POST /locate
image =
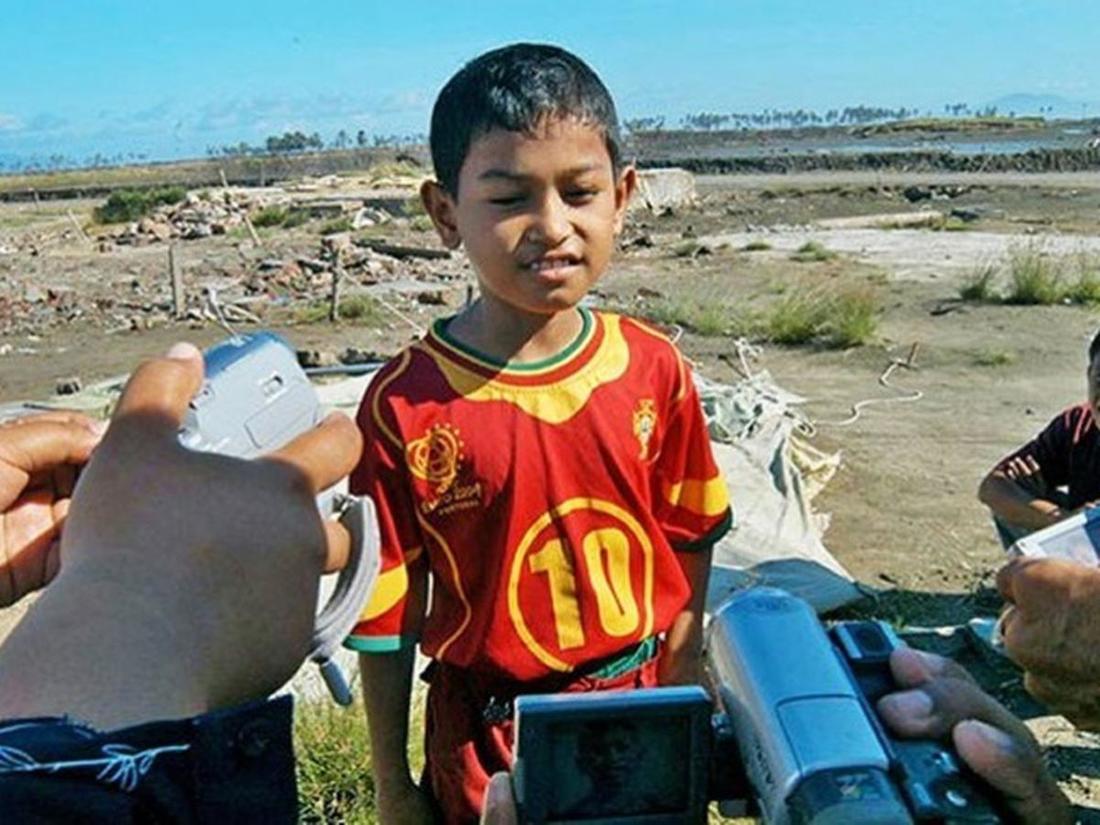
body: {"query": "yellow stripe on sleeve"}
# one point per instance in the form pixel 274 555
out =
pixel 390 588
pixel 703 497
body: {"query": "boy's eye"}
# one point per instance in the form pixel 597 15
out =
pixel 506 200
pixel 581 195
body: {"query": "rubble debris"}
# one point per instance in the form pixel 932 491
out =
pixel 196 216
pixel 664 189
pixel 370 216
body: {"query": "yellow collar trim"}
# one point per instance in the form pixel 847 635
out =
pixel 555 402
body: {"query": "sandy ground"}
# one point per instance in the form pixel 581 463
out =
pixel 905 519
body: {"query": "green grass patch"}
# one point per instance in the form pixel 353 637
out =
pixel 335 783
pixel 980 285
pixel 1034 278
pixel 132 204
pixel 421 223
pixel 756 246
pixel 708 319
pixel 851 319
pixel 361 309
pixel 837 318
pixel 336 225
pixel 812 251
pixel 994 358
pixel 796 318
pixel 270 216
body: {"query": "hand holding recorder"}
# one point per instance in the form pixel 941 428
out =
pixel 188 581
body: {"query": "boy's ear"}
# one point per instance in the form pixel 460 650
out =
pixel 624 191
pixel 440 207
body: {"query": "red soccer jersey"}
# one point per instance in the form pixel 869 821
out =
pixel 545 500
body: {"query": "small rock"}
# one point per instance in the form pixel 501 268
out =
pixel 68 386
pixel 915 194
pixel 353 355
pixel 432 297
pixel 308 358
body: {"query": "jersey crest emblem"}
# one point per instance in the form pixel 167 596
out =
pixel 435 457
pixel 645 422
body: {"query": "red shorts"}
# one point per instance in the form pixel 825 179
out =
pixel 468 730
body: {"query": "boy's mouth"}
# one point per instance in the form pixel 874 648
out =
pixel 550 263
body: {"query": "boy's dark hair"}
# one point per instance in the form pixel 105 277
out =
pixel 1094 347
pixel 516 88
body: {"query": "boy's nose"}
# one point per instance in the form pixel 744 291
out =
pixel 550 224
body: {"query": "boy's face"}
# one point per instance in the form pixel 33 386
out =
pixel 538 214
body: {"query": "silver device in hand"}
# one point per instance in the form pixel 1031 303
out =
pixel 255 398
pixel 798 736
pixel 801 702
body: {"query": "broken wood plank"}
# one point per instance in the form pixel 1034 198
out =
pixel 402 251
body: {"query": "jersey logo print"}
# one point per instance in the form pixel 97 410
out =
pixel 645 422
pixel 435 456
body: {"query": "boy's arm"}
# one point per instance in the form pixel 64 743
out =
pixel 387 686
pixel 1017 503
pixel 681 662
pixel 1020 489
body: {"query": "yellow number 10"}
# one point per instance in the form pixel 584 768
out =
pixel 606 554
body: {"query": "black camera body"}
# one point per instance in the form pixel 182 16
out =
pixel 797 721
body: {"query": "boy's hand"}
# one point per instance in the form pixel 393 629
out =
pixel 1052 630
pixel 39 459
pixel 405 804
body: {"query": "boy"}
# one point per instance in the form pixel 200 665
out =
pixel 546 467
pixel 1024 490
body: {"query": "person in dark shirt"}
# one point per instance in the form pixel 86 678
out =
pixel 1054 475
pixel 181 592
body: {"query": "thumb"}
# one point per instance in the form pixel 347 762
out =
pixel 1016 775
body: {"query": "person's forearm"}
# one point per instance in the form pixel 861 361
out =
pixel 387 685
pixel 1013 504
pixel 100 653
pixel 682 659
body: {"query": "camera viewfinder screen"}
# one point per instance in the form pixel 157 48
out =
pixel 620 767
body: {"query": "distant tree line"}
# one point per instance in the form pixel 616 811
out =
pixel 797 118
pixel 290 143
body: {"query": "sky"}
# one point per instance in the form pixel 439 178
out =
pixel 167 80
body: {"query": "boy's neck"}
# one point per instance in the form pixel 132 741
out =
pixel 509 335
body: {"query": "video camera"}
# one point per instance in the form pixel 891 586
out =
pixel 255 398
pixel 797 721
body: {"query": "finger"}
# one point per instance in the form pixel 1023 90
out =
pixel 163 387
pixel 500 804
pixel 338 543
pixel 326 453
pixel 60 417
pixel 28 530
pixel 933 709
pixel 39 447
pixel 1015 772
pixel 912 668
pixel 1008 578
